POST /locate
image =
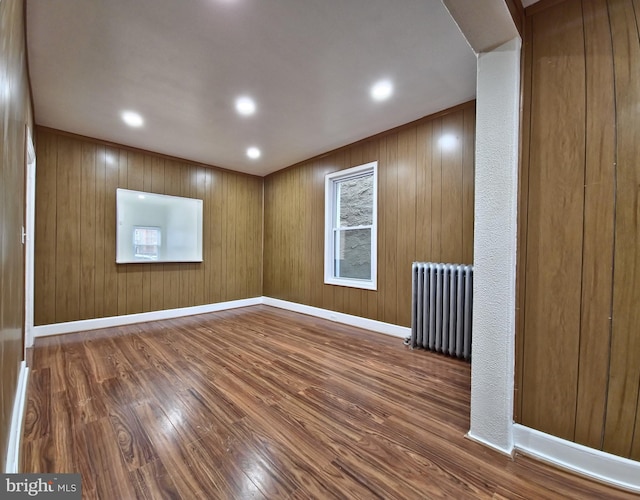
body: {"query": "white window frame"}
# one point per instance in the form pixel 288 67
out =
pixel 330 207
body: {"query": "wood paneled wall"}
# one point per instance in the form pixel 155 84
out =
pixel 578 364
pixel 76 276
pixel 425 213
pixel 15 115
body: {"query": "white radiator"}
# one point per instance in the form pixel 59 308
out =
pixel 441 308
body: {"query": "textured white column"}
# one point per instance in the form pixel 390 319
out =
pixel 496 193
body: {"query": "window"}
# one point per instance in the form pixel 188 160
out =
pixel 146 242
pixel 351 209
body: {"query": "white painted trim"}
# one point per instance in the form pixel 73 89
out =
pixel 329 233
pixel 595 464
pixel 12 464
pixel 347 319
pixel 93 324
pixel 30 241
pixel 488 444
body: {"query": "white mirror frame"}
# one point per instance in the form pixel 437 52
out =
pixel 157 228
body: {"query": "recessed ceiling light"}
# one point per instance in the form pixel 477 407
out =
pixel 245 105
pixel 253 153
pixel 132 118
pixel 141 196
pixel 381 90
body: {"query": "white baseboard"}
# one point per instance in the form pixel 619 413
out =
pixel 347 319
pixel 488 444
pixel 595 464
pixel 128 319
pixel 15 432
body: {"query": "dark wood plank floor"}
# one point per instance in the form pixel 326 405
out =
pixel 264 403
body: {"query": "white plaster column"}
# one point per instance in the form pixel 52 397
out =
pixel 496 198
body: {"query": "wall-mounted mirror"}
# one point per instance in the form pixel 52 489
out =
pixel 157 228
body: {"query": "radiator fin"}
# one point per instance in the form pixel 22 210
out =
pixel 441 308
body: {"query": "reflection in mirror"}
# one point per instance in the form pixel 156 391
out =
pixel 157 228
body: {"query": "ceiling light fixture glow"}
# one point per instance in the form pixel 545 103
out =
pixel 132 118
pixel 381 90
pixel 245 106
pixel 253 153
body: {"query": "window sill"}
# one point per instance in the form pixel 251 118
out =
pixel 364 285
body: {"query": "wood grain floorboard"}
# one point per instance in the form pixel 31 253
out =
pixel 264 403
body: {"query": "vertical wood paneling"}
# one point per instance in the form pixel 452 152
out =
pixel 110 293
pixel 452 148
pixel 76 276
pixel 15 116
pixel 123 177
pixel 185 289
pixel 46 228
pixel 242 261
pixel 228 237
pixel 389 261
pixel 383 221
pixel 256 255
pixel 409 194
pixel 306 222
pixel 578 339
pixel 199 274
pixel 523 203
pixel 468 176
pixel 290 224
pixel 216 241
pixel 423 186
pixel 328 295
pixel 597 256
pixel 317 234
pixel 87 231
pixel 635 447
pixel 208 266
pixel 437 229
pixel 99 272
pixel 555 217
pixel 406 245
pixel 67 241
pixel 370 310
pixel 135 272
pixel 624 375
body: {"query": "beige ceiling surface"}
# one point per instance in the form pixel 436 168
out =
pixel 308 64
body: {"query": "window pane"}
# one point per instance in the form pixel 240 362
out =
pixel 353 254
pixel 146 242
pixel 355 197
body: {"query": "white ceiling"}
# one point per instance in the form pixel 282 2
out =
pixel 181 64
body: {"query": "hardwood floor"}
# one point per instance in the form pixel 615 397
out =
pixel 265 403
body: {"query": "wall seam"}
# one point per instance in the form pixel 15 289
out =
pixel 584 208
pixel 613 252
